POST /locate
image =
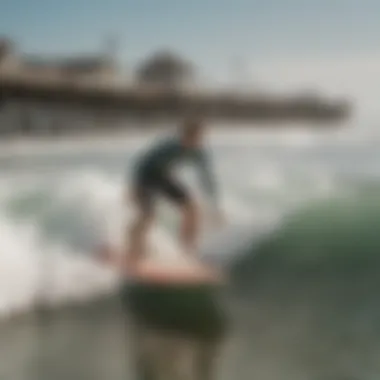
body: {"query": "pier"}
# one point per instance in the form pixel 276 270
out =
pixel 91 87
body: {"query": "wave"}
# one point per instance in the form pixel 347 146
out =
pixel 55 212
pixel 335 238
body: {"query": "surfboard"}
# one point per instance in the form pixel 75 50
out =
pixel 179 318
pixel 194 273
pixel 189 271
pixel 176 311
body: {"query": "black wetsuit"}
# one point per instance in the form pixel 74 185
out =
pixel 152 173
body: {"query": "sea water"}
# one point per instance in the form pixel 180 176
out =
pixel 301 209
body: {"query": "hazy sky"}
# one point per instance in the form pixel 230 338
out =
pixel 270 36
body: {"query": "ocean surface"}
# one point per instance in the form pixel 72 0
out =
pixel 301 241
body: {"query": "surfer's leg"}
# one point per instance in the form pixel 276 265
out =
pixel 178 194
pixel 140 225
pixel 189 225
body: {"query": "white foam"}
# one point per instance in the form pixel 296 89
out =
pixel 266 177
pixel 34 272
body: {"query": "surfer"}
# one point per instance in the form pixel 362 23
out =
pixel 153 176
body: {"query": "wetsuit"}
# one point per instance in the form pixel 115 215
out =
pixel 152 174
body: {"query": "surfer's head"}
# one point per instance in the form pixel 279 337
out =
pixel 191 133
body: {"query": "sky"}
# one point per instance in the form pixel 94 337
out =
pixel 330 43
